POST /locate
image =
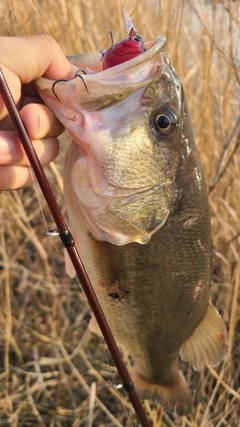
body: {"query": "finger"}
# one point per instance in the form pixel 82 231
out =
pixel 6 123
pixel 30 57
pixel 40 121
pixel 12 152
pixel 15 177
pixel 23 59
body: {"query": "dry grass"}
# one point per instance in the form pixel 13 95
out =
pixel 53 372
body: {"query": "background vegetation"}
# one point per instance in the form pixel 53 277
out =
pixel 51 367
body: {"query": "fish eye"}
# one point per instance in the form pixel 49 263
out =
pixel 165 122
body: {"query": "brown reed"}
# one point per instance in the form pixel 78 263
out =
pixel 49 360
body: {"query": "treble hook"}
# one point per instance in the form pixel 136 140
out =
pixel 81 77
pixel 65 80
pixel 57 81
pixel 111 35
pixel 103 51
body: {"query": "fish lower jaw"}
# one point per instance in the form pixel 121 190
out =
pixel 115 228
pixel 118 238
pixel 117 231
pixel 104 231
pixel 118 234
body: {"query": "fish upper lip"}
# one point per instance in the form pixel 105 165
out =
pixel 107 86
pixel 119 72
pixel 153 47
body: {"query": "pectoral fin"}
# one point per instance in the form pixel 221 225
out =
pixel 207 342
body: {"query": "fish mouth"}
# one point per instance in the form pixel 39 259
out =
pixel 98 88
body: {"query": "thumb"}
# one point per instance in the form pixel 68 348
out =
pixel 25 58
pixel 29 57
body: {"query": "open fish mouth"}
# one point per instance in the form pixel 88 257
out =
pixel 104 87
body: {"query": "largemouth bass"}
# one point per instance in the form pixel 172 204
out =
pixel 138 207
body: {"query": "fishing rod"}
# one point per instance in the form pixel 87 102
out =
pixel 68 242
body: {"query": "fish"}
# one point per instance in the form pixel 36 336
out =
pixel 138 208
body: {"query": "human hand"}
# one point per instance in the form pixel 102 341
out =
pixel 22 60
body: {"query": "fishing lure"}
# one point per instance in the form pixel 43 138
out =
pixel 118 53
pixel 124 50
